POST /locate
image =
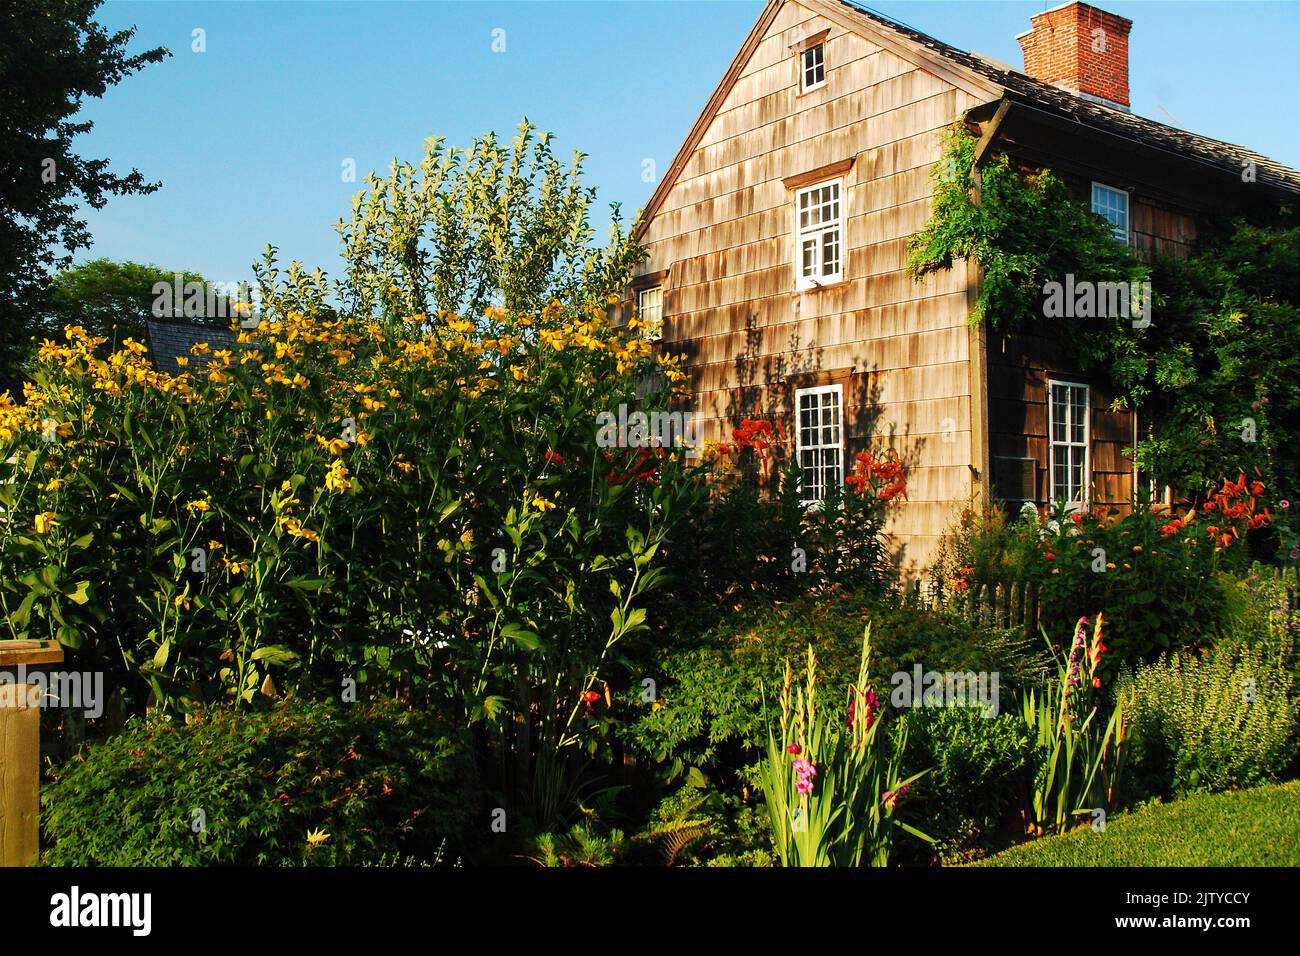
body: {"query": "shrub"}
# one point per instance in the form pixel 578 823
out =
pixel 415 493
pixel 979 769
pixel 1155 576
pixel 1263 612
pixel 295 784
pixel 1210 722
pixel 706 715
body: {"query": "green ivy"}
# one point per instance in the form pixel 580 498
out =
pixel 1213 371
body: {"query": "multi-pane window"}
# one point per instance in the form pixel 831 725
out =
pixel 1068 412
pixel 819 254
pixel 650 309
pixel 812 67
pixel 820 440
pixel 1112 205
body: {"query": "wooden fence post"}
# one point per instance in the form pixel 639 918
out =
pixel 20 753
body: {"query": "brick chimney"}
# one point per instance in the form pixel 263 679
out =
pixel 1082 49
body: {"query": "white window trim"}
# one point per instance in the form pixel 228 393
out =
pixel 802 282
pixel 655 333
pixel 1053 444
pixel 805 87
pixel 1128 221
pixel 799 393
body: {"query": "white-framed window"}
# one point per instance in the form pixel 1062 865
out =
pixel 812 67
pixel 1112 204
pixel 819 437
pixel 1068 415
pixel 819 234
pixel 650 310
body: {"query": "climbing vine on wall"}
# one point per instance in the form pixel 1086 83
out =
pixel 1212 366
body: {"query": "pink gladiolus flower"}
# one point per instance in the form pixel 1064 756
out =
pixel 792 749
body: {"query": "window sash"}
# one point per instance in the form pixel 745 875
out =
pixel 812 68
pixel 1112 204
pixel 650 310
pixel 1068 432
pixel 819 435
pixel 819 231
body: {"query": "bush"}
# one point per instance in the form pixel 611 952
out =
pixel 1158 579
pixel 706 728
pixel 296 784
pixel 978 770
pixel 1263 612
pixel 1209 722
pixel 419 490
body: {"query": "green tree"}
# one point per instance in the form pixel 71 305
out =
pixel 53 54
pixel 494 225
pixel 1218 369
pixel 114 300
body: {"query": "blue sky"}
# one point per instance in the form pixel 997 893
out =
pixel 248 137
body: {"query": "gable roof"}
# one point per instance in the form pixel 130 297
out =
pixel 985 79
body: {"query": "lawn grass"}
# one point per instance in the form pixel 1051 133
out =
pixel 1256 827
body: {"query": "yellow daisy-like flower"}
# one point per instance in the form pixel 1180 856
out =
pixel 44 522
pixel 337 478
pixel 541 504
pixel 183 602
pixel 198 506
pixel 335 446
pixel 520 374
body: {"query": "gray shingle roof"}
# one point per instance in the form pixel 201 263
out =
pixel 170 339
pixel 1022 87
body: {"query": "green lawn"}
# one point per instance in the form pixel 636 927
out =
pixel 1258 827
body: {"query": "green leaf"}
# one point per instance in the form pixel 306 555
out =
pixel 275 654
pixel 528 640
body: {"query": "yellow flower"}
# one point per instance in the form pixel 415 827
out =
pixel 337 478
pixel 405 467
pixel 541 504
pixel 44 522
pixel 317 837
pixel 198 506
pixel 335 446
pixel 520 374
pixel 183 602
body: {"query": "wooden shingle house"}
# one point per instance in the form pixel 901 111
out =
pixel 778 238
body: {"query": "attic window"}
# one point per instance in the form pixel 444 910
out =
pixel 812 68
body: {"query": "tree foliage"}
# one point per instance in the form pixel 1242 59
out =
pixel 111 300
pixel 494 225
pixel 53 54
